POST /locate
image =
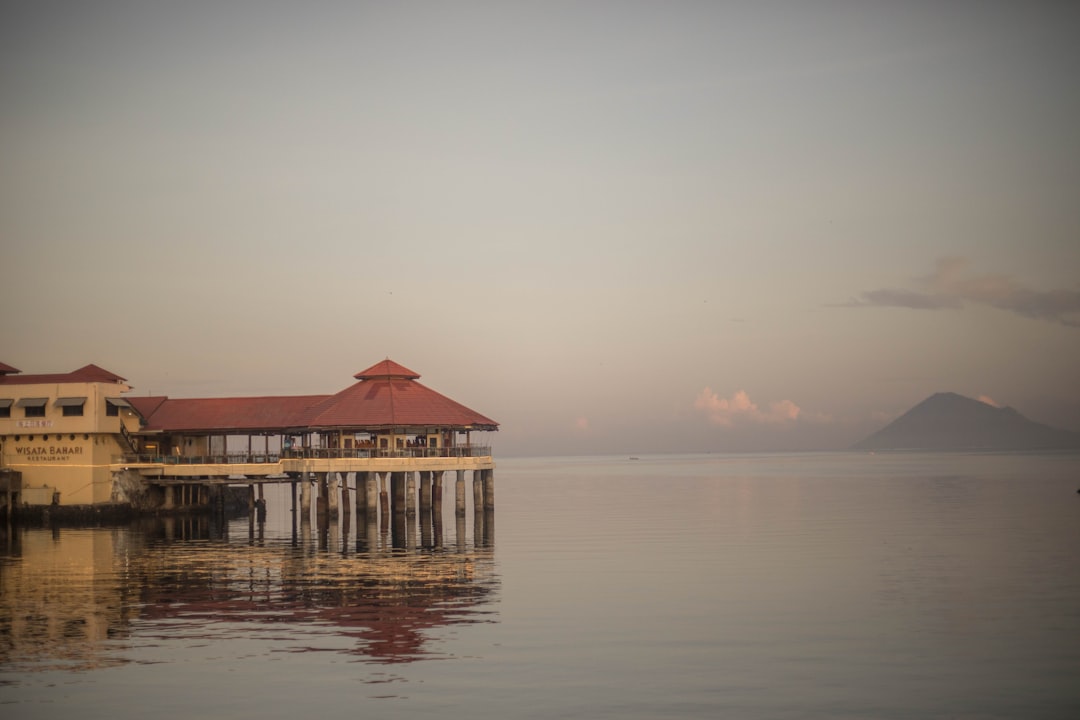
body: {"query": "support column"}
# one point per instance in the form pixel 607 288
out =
pixel 371 495
pixel 425 492
pixel 397 489
pixel 170 497
pixel 361 494
pixel 344 477
pixel 321 507
pixel 260 506
pixel 410 494
pixel 332 495
pixel 293 510
pixel 305 497
pixel 436 491
pixel 459 494
pixel 477 490
pixel 489 490
pixel 384 499
pixel 436 508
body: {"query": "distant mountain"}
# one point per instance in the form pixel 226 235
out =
pixel 947 421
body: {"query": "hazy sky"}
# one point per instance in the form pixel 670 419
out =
pixel 611 226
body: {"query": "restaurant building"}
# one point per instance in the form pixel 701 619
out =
pixel 62 433
pixel 74 439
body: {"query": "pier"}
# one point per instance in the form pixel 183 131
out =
pixel 386 443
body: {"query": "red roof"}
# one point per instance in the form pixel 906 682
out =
pixel 146 406
pixel 386 369
pixel 6 369
pixel 221 414
pixel 87 373
pixel 387 395
pixel 394 402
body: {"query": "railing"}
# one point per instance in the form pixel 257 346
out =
pixel 299 453
pixel 128 439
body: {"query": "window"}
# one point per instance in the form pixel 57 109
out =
pixel 113 405
pixel 71 406
pixel 32 407
pixel 5 408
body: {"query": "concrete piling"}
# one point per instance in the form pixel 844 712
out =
pixel 305 497
pixel 371 495
pixel 436 491
pixel 425 493
pixel 397 490
pixel 410 494
pixel 383 480
pixel 459 494
pixel 489 489
pixel 361 494
pixel 332 492
pixel 343 479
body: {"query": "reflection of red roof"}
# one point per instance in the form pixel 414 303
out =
pixel 387 395
pixel 87 373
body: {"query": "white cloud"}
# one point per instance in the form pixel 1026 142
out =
pixel 740 408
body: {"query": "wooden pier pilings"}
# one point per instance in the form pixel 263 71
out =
pixel 400 504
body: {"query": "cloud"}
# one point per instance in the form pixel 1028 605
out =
pixel 951 285
pixel 893 297
pixel 740 408
pixel 988 400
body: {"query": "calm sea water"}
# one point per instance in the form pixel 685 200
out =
pixel 706 586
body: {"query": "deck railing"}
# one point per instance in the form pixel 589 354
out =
pixel 297 453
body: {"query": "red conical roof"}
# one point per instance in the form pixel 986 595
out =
pixel 394 401
pixel 386 396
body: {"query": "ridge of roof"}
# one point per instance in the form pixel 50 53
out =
pixel 93 373
pixel 87 373
pixel 386 369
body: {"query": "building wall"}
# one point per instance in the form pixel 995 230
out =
pixel 69 455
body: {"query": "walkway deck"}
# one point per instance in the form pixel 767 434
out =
pixel 271 469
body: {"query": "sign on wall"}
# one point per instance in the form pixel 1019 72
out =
pixel 48 453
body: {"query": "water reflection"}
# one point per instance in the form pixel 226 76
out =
pixel 85 598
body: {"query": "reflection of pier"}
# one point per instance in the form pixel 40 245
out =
pixel 385 599
pixel 79 597
pixel 385 603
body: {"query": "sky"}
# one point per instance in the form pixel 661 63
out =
pixel 613 227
